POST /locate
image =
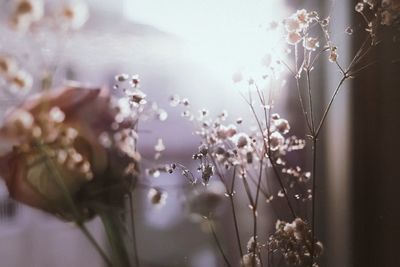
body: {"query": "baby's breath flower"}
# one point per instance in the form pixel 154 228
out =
pixel 282 126
pixel 310 43
pixel 294 241
pixel 20 82
pixel 121 77
pixel 292 24
pixel 21 123
pixel 56 115
pixel 250 260
pixel 7 65
pixel 242 140
pixel 333 55
pixel 74 15
pixel 276 140
pixel 303 17
pixel 157 197
pixel 224 132
pixel 237 77
pixel 162 114
pixel 159 147
pixel 359 7
pixel 174 100
pixel 26 12
pixel 293 38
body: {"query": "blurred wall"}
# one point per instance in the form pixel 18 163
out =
pixel 376 144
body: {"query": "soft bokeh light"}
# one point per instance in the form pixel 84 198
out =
pixel 225 35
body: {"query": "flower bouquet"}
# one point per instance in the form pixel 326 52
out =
pixel 73 151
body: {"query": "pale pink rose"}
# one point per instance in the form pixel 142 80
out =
pixel 84 114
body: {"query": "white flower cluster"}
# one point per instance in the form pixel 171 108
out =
pixel 390 12
pixel 69 15
pixel 17 80
pixel 294 241
pixel 252 257
pixel 48 132
pixel 131 105
pixel 157 197
pixel 296 27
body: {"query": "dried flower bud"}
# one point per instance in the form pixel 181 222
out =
pixel 157 197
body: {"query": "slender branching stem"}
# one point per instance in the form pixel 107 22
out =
pixel 318 130
pixel 68 198
pixel 314 196
pixel 230 193
pixel 274 167
pixel 254 208
pixel 312 129
pixel 133 229
pixel 214 234
pixel 235 222
pixel 94 243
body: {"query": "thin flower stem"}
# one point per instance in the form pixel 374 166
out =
pixel 317 132
pixel 210 223
pixel 276 172
pixel 314 197
pixel 247 189
pixel 133 228
pixel 297 78
pixel 255 212
pixel 235 222
pixel 274 167
pixel 259 182
pixel 78 220
pixel 302 104
pixel 232 203
pixel 91 239
pixel 358 56
pixel 261 261
pixel 310 101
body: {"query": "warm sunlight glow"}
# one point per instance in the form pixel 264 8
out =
pixel 224 35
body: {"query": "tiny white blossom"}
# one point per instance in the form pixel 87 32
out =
pixel 20 82
pixel 74 14
pixel 310 43
pixel 157 197
pixel 293 38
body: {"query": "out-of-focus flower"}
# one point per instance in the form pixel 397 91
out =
pixel 57 156
pixel 16 80
pixel 359 7
pixel 293 38
pixel 19 82
pixel 391 12
pixel 74 14
pixel 237 77
pixel 206 202
pixel 8 66
pixel 224 132
pixel 299 21
pixel 294 241
pixel 276 140
pixel 333 55
pixel 157 197
pixel 292 24
pixel 282 125
pixel 302 17
pixel 310 43
pixel 250 260
pixel 27 12
pixel 242 140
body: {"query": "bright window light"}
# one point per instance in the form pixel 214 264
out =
pixel 226 35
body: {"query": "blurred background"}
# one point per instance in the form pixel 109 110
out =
pixel 192 48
